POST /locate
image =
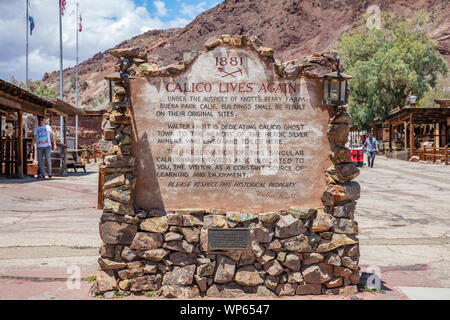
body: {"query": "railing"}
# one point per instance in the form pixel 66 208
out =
pixel 433 153
pixel 8 149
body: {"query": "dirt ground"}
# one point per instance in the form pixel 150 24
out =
pixel 49 232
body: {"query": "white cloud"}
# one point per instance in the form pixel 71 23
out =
pixel 192 10
pixel 161 9
pixel 106 23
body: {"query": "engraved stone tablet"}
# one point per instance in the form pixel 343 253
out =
pixel 228 239
pixel 229 134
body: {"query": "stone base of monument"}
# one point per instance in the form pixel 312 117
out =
pixel 303 251
pixel 187 253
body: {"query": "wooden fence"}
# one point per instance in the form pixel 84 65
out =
pixel 433 154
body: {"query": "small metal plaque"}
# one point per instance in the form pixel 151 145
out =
pixel 228 238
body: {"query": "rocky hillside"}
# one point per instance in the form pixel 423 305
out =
pixel 293 28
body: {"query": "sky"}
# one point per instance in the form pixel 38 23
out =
pixel 105 24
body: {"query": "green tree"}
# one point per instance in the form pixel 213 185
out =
pixel 36 87
pixel 389 64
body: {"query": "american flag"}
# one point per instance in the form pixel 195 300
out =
pixel 63 6
pixel 79 24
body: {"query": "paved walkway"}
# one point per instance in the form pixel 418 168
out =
pixel 49 231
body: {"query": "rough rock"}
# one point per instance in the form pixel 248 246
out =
pixel 288 226
pixel 342 272
pixel 119 195
pixel 337 240
pixel 323 221
pixel 157 224
pixel 146 241
pixel 181 259
pixel 117 207
pixel 192 221
pixel 155 254
pixel 108 264
pixel 346 226
pixel 342 173
pixel 269 217
pixel 292 262
pixel 335 282
pixel 317 273
pixel 206 269
pixel 286 289
pixel 307 288
pixel 172 236
pixel 202 282
pixel 145 283
pixel 228 290
pixel 191 234
pixel 214 221
pixel 333 259
pixel 225 270
pixel 261 234
pixel 130 273
pixel 273 268
pixel 340 154
pixel 247 257
pixel 183 276
pixel 128 254
pixel 181 292
pixel 117 233
pixel 295 277
pixel 106 281
pixel 344 210
pixel 298 244
pixel 311 258
pixel 248 276
pixel 341 192
pixel 174 219
pixel 351 263
pixel 302 212
pixel 271 282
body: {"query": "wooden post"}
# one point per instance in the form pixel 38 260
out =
pixel 405 138
pixel 411 135
pixel 390 137
pixel 101 174
pixel 434 154
pixel 446 155
pixel 19 146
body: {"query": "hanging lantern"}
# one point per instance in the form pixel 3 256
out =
pixel 335 87
pixel 122 79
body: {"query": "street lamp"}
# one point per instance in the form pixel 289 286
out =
pixel 122 78
pixel 335 86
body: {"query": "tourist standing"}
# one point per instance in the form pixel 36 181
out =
pixel 44 138
pixel 371 146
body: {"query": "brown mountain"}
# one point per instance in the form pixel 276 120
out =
pixel 293 28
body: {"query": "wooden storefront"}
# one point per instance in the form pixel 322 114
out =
pixel 418 132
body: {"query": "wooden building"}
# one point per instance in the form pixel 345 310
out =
pixel 15 148
pixel 412 131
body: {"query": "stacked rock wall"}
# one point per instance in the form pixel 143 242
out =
pixel 299 251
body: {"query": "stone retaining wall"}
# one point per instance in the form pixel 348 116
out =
pixel 299 251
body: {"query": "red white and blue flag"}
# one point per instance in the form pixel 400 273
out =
pixel 63 6
pixel 79 24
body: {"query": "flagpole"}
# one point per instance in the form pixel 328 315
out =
pixel 26 60
pixel 26 69
pixel 61 118
pixel 76 83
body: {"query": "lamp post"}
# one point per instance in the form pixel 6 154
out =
pixel 122 78
pixel 335 86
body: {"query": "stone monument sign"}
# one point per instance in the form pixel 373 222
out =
pixel 225 175
pixel 229 134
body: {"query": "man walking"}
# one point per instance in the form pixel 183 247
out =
pixel 371 145
pixel 44 138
